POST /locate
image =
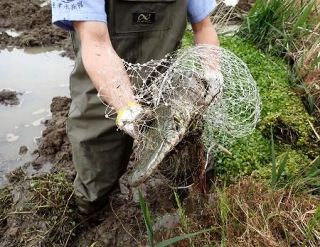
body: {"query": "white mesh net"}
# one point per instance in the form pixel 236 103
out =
pixel 202 82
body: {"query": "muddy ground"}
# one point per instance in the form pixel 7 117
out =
pixel 34 22
pixel 8 97
pixel 120 224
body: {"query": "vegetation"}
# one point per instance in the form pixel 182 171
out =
pixel 251 213
pixel 286 28
pixel 149 226
pixel 281 108
pixel 270 195
pixel 39 211
pixel 290 28
pixel 267 193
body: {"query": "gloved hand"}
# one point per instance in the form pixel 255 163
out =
pixel 131 117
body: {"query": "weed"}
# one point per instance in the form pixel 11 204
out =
pixel 276 173
pixel 6 200
pixel 181 212
pixel 43 211
pixel 279 26
pixel 250 213
pixel 288 28
pixel 147 219
pixel 223 207
pixel 307 178
pixel 149 225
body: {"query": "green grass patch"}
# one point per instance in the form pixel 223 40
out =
pixel 280 27
pixel 281 108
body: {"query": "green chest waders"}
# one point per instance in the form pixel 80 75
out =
pixel 140 30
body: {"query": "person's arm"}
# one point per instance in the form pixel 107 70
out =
pixel 107 73
pixel 103 65
pixel 205 33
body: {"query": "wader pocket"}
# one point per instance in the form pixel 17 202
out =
pixel 136 16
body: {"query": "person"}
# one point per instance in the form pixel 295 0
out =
pixel 104 32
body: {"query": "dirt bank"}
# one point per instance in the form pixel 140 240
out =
pixel 33 22
pixel 8 97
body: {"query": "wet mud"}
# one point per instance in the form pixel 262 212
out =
pixel 53 146
pixel 8 97
pixel 33 22
pixel 245 5
pixel 120 224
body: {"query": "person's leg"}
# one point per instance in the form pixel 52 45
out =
pixel 100 151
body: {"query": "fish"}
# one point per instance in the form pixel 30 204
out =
pixel 189 99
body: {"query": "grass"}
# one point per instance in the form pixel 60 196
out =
pixel 43 215
pixel 280 27
pixel 277 170
pixel 149 225
pixel 250 213
pixel 6 200
pixel 291 29
pixel 282 109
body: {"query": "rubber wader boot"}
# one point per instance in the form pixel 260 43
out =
pixel 140 30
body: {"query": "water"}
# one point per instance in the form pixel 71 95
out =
pixel 40 74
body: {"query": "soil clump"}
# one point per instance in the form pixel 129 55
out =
pixel 23 150
pixel 8 97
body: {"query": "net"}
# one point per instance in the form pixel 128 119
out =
pixel 204 83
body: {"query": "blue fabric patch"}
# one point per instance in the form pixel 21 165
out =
pixel 66 11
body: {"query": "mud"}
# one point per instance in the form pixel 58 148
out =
pixel 34 23
pixel 245 5
pixel 23 150
pixel 8 97
pixel 54 146
pixel 121 224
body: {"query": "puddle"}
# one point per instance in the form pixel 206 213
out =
pixel 39 74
